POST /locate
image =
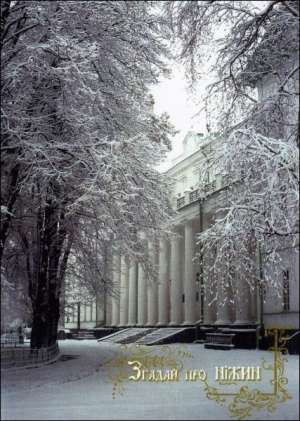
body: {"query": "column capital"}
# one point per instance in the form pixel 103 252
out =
pixel 189 223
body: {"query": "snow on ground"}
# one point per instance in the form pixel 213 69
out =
pixel 77 389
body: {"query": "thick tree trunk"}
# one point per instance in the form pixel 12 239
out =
pixel 45 320
pixel 40 303
pixel 46 310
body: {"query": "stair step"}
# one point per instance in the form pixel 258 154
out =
pixel 225 347
pixel 159 335
pixel 126 335
pixel 142 336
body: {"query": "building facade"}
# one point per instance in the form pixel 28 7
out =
pixel 179 298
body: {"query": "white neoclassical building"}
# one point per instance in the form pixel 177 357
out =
pixel 178 299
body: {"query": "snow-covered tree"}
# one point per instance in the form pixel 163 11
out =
pixel 250 52
pixel 80 139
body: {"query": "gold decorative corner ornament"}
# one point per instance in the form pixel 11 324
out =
pixel 245 401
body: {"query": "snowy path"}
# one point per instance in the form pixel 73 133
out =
pixel 75 389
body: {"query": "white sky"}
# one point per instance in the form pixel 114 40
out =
pixel 171 96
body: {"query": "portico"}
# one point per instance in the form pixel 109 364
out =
pixel 176 299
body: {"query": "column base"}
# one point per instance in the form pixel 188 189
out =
pixel 242 322
pixel 223 322
pixel 187 323
pixel 209 322
pixel 160 324
pixel 173 324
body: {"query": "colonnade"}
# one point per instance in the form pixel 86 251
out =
pixel 176 299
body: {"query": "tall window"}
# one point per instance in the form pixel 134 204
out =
pixel 286 290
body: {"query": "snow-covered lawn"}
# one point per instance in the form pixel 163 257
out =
pixel 78 389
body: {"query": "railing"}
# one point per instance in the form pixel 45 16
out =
pixel 22 357
pixel 11 339
pixel 180 202
pixel 194 195
pixel 210 187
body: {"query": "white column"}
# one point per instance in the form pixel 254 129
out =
pixel 209 309
pixel 242 302
pixel 222 301
pixel 253 291
pixel 190 280
pixel 222 304
pixel 253 304
pixel 163 287
pixel 132 316
pixel 152 291
pixel 209 292
pixel 116 292
pixel 209 289
pixel 176 283
pixel 142 296
pixel 108 316
pixel 108 299
pixel 124 292
pixel 209 304
pixel 222 308
pixel 99 313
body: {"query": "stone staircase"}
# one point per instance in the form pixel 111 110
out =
pixel 160 336
pixel 127 335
